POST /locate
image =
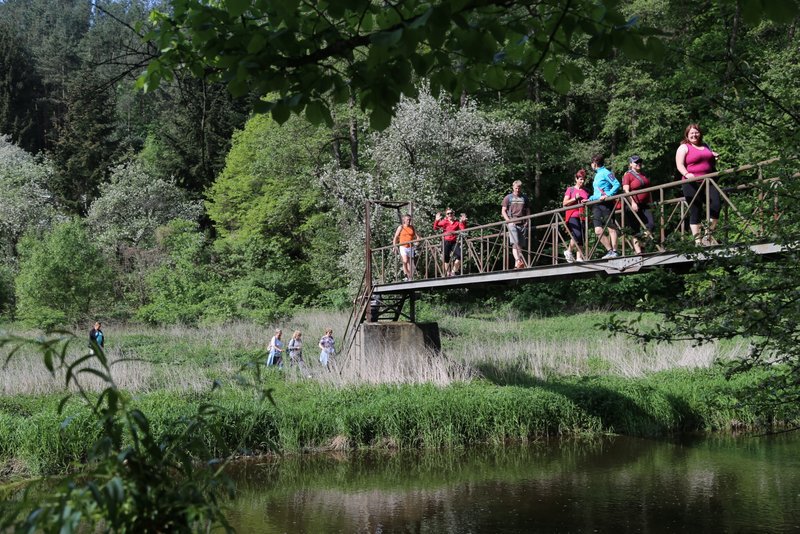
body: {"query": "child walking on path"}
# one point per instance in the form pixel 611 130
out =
pixel 327 348
pixel 275 350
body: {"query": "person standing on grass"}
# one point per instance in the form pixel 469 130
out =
pixel 515 205
pixel 96 336
pixel 276 349
pixel 574 197
pixel 450 247
pixel 327 348
pixel 295 348
pixel 402 237
pixel 605 185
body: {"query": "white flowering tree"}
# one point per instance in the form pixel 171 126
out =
pixel 434 154
pixel 133 205
pixel 25 201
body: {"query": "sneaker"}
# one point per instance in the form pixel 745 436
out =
pixel 610 255
pixel 568 255
pixel 580 259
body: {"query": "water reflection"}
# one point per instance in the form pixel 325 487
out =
pixel 616 484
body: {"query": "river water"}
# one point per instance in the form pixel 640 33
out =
pixel 616 484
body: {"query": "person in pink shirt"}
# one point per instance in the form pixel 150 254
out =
pixel 575 196
pixel 695 158
pixel 450 247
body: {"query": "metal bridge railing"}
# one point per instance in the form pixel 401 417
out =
pixel 746 205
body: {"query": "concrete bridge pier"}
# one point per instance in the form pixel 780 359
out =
pixel 378 338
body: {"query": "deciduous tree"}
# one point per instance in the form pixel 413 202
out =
pixel 62 278
pixel 133 205
pixel 26 203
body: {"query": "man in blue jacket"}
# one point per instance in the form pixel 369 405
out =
pixel 605 185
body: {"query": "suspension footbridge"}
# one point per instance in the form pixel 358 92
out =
pixel 750 206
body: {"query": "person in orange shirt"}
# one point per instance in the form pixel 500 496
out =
pixel 402 239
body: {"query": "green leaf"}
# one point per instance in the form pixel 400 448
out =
pixel 656 49
pixel 102 376
pixel 780 10
pixel 495 77
pixel 632 46
pixel 549 71
pixel 238 87
pixel 237 7
pixel 379 119
pixel 421 20
pixel 317 113
pixel 751 9
pixel 257 43
pixel 422 63
pixel 561 84
pixel 387 38
pixel 599 46
pixel 281 113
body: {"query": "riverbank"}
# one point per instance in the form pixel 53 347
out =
pixel 498 379
pixel 308 415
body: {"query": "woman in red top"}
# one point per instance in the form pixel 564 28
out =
pixel 639 210
pixel 450 246
pixel 695 158
pixel 574 196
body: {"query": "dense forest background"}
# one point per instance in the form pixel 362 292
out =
pixel 180 206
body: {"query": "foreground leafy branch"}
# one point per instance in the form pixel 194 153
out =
pixel 302 55
pixel 133 481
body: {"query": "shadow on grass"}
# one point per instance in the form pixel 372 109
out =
pixel 623 405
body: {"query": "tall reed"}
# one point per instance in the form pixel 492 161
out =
pixel 180 358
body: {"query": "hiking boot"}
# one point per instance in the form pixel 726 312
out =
pixel 568 255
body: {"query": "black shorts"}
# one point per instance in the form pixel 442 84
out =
pixel 645 214
pixel 575 225
pixel 451 249
pixel 604 212
pixel 695 195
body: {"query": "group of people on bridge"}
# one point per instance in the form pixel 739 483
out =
pixel 693 158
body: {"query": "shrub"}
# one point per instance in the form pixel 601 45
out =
pixel 6 291
pixel 62 277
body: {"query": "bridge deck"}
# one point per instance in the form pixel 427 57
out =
pixel 617 266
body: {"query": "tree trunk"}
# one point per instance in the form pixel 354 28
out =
pixel 353 134
pixel 534 94
pixel 730 68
